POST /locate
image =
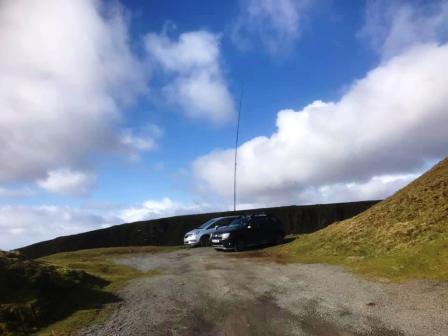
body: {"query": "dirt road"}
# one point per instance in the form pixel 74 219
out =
pixel 204 292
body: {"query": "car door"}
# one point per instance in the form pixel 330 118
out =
pixel 253 232
pixel 210 228
pixel 266 230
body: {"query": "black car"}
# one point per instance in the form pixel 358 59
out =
pixel 247 231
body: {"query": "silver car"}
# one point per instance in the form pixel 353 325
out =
pixel 201 235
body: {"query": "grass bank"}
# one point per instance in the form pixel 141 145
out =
pixel 62 293
pixel 403 237
pixel 423 261
pixel 99 263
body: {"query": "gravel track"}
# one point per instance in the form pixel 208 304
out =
pixel 204 292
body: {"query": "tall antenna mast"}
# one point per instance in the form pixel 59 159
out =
pixel 236 147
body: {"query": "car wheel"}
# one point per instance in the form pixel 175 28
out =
pixel 240 245
pixel 205 241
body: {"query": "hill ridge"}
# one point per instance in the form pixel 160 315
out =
pixel 403 237
pixel 409 215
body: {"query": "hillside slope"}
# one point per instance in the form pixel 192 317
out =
pixel 34 294
pixel 404 236
pixel 64 292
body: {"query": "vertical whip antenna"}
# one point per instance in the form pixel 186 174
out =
pixel 236 146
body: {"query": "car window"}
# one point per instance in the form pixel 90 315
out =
pixel 214 224
pixel 238 221
pixel 264 222
pixel 207 224
pixel 226 221
pixel 221 222
pixel 255 223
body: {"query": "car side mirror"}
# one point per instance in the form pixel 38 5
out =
pixel 216 227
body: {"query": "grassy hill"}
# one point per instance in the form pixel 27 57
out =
pixel 33 294
pixel 402 237
pixel 62 292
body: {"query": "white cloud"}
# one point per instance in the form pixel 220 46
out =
pixel 392 27
pixel 16 192
pixel 66 69
pixel 390 122
pixel 129 139
pixel 67 182
pixel 376 188
pixel 146 140
pixel 198 86
pixel 24 225
pixel 166 207
pixel 277 24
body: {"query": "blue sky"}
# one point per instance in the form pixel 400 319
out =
pixel 121 111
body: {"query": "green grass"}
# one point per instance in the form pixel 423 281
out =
pixel 427 261
pixel 423 261
pixel 91 305
pixel 401 238
pixel 97 262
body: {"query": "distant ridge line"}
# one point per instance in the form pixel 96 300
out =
pixel 169 231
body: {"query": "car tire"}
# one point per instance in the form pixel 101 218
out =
pixel 240 245
pixel 205 241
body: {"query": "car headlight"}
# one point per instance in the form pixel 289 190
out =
pixel 225 235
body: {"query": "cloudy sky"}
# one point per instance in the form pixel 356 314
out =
pixel 118 111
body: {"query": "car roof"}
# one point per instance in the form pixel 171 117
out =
pixel 257 215
pixel 243 215
pixel 217 218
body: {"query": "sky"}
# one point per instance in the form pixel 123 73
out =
pixel 120 111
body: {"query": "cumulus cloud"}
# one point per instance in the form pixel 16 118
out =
pixel 166 207
pixel 129 139
pixel 392 27
pixel 277 24
pixel 16 192
pixel 376 188
pixel 67 182
pixel 136 142
pixel 388 123
pixel 198 86
pixel 24 225
pixel 66 69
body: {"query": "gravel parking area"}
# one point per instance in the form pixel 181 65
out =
pixel 204 292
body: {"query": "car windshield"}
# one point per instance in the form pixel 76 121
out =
pixel 207 223
pixel 237 222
